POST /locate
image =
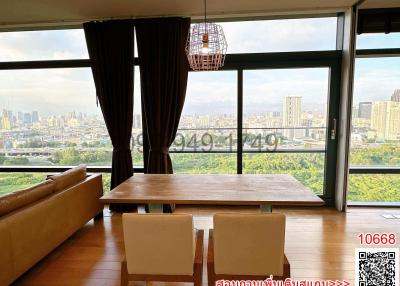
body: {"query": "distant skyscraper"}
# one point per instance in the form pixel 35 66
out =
pixel 292 116
pixel 385 119
pixel 72 115
pixel 6 120
pixel 364 110
pixel 355 112
pixel 396 96
pixel 27 118
pixel 35 116
pixel 20 117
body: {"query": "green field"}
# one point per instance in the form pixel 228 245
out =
pixel 307 168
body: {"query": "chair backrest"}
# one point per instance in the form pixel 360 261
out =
pixel 160 244
pixel 249 244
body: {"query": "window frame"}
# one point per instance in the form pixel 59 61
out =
pixel 374 170
pixel 261 61
pixel 234 62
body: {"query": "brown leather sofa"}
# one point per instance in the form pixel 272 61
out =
pixel 36 220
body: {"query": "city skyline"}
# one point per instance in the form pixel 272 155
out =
pixel 360 110
pixel 377 120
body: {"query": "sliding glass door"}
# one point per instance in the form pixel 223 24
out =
pixel 285 123
pixel 263 114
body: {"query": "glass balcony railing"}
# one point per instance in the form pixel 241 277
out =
pixel 254 139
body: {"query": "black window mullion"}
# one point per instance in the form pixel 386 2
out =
pixel 239 160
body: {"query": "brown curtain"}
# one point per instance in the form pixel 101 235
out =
pixel 110 46
pixel 163 72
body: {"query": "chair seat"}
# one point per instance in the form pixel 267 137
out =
pixel 247 246
pixel 162 247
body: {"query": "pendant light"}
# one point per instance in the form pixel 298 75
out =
pixel 206 45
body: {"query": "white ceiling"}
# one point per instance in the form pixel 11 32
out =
pixel 56 12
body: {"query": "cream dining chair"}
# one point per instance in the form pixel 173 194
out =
pixel 247 247
pixel 161 247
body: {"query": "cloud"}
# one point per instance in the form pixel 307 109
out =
pixel 376 79
pixel 43 45
pixel 49 91
pixel 211 92
pixel 378 41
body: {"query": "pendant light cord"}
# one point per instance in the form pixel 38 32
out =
pixel 205 12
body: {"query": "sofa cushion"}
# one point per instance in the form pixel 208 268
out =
pixel 37 230
pixel 68 178
pixel 16 200
pixel 7 272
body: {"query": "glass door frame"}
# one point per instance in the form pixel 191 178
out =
pixel 320 59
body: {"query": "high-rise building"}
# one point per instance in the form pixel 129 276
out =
pixel 35 116
pixel 20 117
pixel 71 115
pixel 364 110
pixel 355 111
pixel 27 118
pixel 6 120
pixel 385 119
pixel 396 96
pixel 292 117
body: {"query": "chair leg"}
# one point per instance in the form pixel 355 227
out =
pixel 198 259
pixel 124 274
pixel 286 268
pixel 98 216
pixel 198 276
pixel 210 274
pixel 210 259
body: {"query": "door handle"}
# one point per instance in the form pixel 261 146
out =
pixel 333 130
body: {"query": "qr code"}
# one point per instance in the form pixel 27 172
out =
pixel 377 266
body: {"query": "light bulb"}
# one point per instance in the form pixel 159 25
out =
pixel 205 49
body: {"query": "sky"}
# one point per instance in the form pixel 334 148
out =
pixel 59 91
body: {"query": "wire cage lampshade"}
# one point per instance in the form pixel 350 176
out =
pixel 206 47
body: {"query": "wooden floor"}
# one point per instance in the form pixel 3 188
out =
pixel 320 244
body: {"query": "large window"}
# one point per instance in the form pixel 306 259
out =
pixel 261 121
pixel 49 116
pixel 375 138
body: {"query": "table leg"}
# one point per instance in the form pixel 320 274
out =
pixel 266 208
pixel 141 209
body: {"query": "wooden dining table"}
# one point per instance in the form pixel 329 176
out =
pixel 265 191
